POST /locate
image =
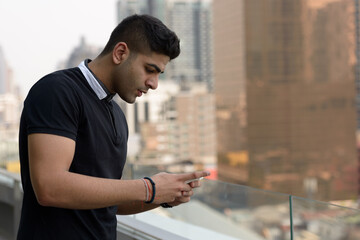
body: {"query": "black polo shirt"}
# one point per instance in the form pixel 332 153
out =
pixel 64 103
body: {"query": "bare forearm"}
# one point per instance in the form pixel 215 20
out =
pixel 50 158
pixel 75 191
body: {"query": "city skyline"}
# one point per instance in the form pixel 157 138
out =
pixel 271 65
pixel 36 35
pixel 285 91
pixel 278 133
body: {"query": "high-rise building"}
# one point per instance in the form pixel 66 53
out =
pixel 204 42
pixel 156 8
pixel 129 7
pixel 154 120
pixel 81 52
pixel 3 72
pixel 146 112
pixel 181 19
pixel 194 126
pixel 175 125
pixel 357 80
pixel 10 110
pixel 191 20
pixel 285 95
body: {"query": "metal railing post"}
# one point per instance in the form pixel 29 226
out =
pixel 291 217
pixel 17 194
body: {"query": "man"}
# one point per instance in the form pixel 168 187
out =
pixel 73 140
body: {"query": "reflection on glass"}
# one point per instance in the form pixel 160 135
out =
pixel 220 210
pixel 317 220
pixel 285 90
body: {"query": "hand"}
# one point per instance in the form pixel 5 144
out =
pixel 171 188
pixel 183 199
pixel 196 183
pixel 185 195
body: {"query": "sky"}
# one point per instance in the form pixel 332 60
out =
pixel 36 35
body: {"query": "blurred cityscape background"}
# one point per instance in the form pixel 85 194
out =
pixel 263 94
pixel 266 93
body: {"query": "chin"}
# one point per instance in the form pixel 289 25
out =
pixel 132 100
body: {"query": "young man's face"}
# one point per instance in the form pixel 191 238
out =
pixel 138 74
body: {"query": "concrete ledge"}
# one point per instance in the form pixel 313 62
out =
pixel 129 228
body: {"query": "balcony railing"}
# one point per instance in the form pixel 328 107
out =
pixel 218 210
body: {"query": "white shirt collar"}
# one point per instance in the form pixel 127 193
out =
pixel 91 79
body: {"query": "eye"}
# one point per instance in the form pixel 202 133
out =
pixel 149 70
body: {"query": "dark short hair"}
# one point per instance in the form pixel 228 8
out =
pixel 144 34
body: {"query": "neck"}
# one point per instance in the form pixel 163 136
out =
pixel 101 67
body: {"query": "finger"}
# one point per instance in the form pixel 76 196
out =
pixel 193 175
pixel 195 184
pixel 187 194
pixel 178 194
pixel 186 188
pixel 183 199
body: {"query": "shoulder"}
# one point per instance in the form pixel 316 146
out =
pixel 53 105
pixel 57 90
pixel 63 78
pixel 59 83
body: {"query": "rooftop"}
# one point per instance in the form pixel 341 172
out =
pixel 218 210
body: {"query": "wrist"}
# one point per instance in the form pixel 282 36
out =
pixel 152 189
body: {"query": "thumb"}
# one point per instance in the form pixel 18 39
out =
pixel 193 175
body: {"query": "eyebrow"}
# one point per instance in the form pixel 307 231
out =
pixel 156 67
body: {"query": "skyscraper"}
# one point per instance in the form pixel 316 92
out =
pixel 163 131
pixel 285 95
pixel 7 84
pixel 157 8
pixel 81 52
pixel 178 127
pixel 129 7
pixel 10 109
pixel 204 44
pixel 191 20
pixel 181 19
pixel 3 72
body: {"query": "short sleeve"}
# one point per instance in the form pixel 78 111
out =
pixel 52 107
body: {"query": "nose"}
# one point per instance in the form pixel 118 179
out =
pixel 152 82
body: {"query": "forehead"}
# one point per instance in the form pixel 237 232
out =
pixel 160 60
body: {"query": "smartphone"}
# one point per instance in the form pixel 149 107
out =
pixel 193 180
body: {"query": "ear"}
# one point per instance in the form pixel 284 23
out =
pixel 120 52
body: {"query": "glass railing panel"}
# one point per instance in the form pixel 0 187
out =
pixel 318 220
pixel 220 210
pixel 134 171
pixel 6 180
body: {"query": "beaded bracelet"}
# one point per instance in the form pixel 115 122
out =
pixel 150 190
pixel 153 190
pixel 147 190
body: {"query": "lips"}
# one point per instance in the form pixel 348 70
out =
pixel 140 92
